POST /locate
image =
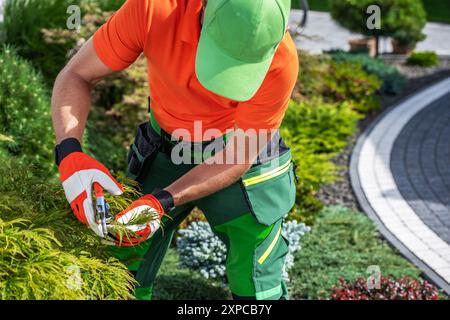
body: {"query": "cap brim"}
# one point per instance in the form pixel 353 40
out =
pixel 226 76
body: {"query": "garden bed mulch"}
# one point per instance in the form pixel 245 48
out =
pixel 340 192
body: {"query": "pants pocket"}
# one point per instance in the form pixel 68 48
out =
pixel 270 189
pixel 268 265
pixel 143 151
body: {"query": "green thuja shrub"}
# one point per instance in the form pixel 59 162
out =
pixel 24 112
pixel 45 252
pixel 316 131
pixel 33 267
pixel 423 59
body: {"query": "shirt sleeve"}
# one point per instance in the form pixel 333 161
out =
pixel 120 41
pixel 267 108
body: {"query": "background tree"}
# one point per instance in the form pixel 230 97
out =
pixel 403 20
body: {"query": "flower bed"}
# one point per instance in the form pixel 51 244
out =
pixel 387 289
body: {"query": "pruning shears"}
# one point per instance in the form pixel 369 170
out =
pixel 102 209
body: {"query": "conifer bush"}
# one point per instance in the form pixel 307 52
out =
pixel 293 231
pixel 45 252
pixel 25 117
pixel 34 267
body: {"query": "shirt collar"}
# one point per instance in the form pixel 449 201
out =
pixel 190 22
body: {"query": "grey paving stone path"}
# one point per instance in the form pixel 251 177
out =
pixel 420 163
pixel 400 172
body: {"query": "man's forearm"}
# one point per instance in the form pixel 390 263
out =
pixel 205 179
pixel 71 101
pixel 216 173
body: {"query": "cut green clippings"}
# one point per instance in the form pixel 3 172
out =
pixel 126 229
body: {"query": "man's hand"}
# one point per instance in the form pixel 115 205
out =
pixel 78 173
pixel 148 208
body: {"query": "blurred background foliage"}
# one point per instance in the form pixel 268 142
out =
pixel 437 10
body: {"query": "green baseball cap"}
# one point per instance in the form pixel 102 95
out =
pixel 238 41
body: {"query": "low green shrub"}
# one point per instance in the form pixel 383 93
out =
pixel 316 132
pixel 24 112
pixel 423 59
pixel 312 68
pixel 347 81
pixel 322 77
pixel 342 244
pixel 393 80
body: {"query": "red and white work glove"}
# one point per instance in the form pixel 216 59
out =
pixel 78 173
pixel 154 204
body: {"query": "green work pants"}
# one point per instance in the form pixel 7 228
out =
pixel 247 216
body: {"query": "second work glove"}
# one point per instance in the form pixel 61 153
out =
pixel 78 173
pixel 142 218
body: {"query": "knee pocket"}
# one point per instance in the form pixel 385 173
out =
pixel 255 265
pixel 268 265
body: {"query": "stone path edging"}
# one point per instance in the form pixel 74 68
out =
pixel 378 195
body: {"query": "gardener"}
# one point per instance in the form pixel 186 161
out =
pixel 220 74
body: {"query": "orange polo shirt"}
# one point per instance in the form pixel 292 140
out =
pixel 167 32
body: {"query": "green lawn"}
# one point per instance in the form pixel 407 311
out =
pixel 438 10
pixel 341 243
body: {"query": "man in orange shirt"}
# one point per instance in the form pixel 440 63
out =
pixel 220 73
